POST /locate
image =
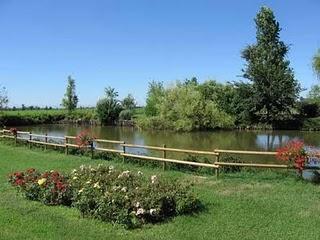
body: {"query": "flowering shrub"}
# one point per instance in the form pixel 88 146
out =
pixel 84 139
pixel 51 188
pixel 129 198
pixel 124 197
pixel 294 153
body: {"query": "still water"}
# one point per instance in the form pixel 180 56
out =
pixel 205 140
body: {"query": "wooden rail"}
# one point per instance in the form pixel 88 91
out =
pixel 244 152
pixel 216 163
pixel 257 165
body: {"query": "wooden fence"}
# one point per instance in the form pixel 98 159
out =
pixel 67 142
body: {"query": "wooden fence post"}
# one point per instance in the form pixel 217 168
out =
pixel 30 139
pixel 66 145
pixel 124 150
pixel 164 155
pixel 15 139
pixel 46 141
pixel 217 170
pixel 92 149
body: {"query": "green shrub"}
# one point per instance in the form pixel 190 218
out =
pixel 125 115
pixel 230 159
pixel 124 197
pixel 129 198
pixel 311 124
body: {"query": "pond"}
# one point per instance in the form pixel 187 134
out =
pixel 205 140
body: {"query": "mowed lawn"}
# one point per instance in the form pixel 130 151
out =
pixel 260 205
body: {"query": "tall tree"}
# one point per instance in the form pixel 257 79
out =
pixel 3 97
pixel 109 107
pixel 154 97
pixel 129 102
pixel 70 99
pixel 316 63
pixel 274 86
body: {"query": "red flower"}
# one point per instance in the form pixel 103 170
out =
pixel 60 186
pixel 84 139
pixel 293 153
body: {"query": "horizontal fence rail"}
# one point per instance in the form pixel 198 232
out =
pixel 245 152
pixel 69 142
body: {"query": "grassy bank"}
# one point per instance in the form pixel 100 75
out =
pixel 260 205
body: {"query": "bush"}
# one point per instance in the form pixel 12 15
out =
pixel 309 109
pixel 108 110
pixel 116 196
pixel 125 115
pixel 50 188
pixel 129 198
pixel 183 108
pixel 311 124
pixel 231 159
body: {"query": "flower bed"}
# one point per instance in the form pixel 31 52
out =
pixel 50 188
pixel 124 197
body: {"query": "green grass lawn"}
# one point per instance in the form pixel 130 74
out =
pixel 251 205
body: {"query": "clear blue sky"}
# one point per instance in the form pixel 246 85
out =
pixel 127 43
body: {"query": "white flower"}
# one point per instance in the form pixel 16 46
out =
pixel 153 178
pixel 140 211
pixel 111 168
pixel 81 190
pixel 74 171
pixel 96 185
pixel 140 173
pixel 88 182
pixel 124 189
pixel 153 211
pixel 74 178
pixel 137 204
pixel 124 174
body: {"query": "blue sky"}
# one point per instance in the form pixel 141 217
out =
pixel 127 43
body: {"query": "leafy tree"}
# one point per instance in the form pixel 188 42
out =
pixel 314 94
pixel 70 99
pixel 192 81
pixel 125 114
pixel 316 63
pixel 274 88
pixel 3 97
pixel 154 96
pixel 109 107
pixel 183 108
pixel 129 103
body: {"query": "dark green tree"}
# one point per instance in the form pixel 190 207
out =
pixel 129 103
pixel 274 87
pixel 70 99
pixel 109 107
